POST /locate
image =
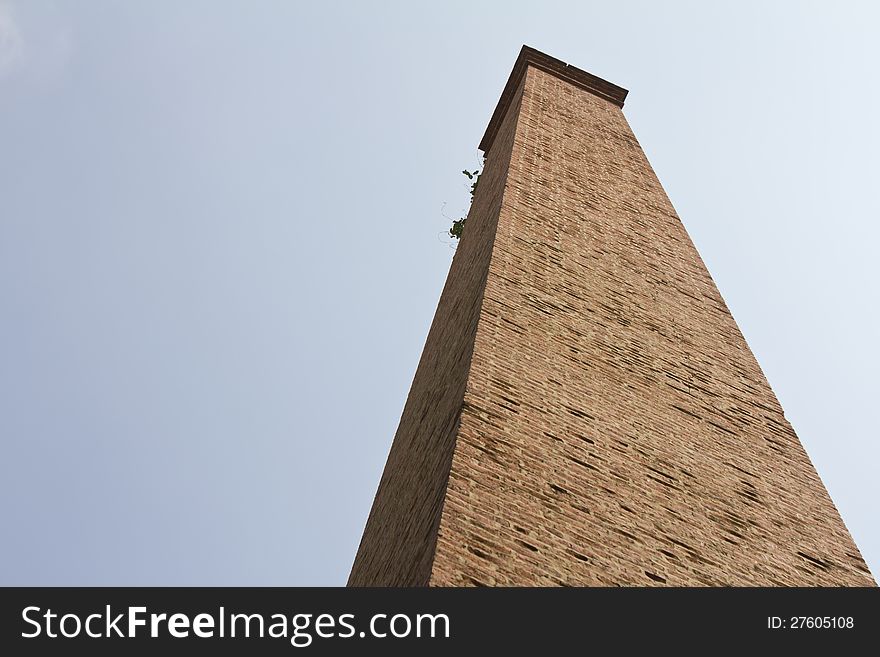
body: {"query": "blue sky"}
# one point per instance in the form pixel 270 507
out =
pixel 221 249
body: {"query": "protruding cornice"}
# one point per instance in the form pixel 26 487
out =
pixel 531 57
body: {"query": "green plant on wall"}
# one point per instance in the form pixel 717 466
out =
pixel 458 224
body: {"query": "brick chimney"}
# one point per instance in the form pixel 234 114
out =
pixel 586 410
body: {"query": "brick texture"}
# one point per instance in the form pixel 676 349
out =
pixel 586 411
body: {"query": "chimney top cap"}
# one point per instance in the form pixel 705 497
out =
pixel 579 78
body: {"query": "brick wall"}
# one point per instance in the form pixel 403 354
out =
pixel 586 411
pixel 397 547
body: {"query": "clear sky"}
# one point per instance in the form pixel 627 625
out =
pixel 221 249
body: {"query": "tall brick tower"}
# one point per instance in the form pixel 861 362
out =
pixel 586 411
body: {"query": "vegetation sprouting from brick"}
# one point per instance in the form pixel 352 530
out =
pixel 458 224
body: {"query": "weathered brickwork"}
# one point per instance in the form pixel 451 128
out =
pixel 398 543
pixel 586 411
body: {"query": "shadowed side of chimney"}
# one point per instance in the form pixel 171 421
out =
pixel 397 548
